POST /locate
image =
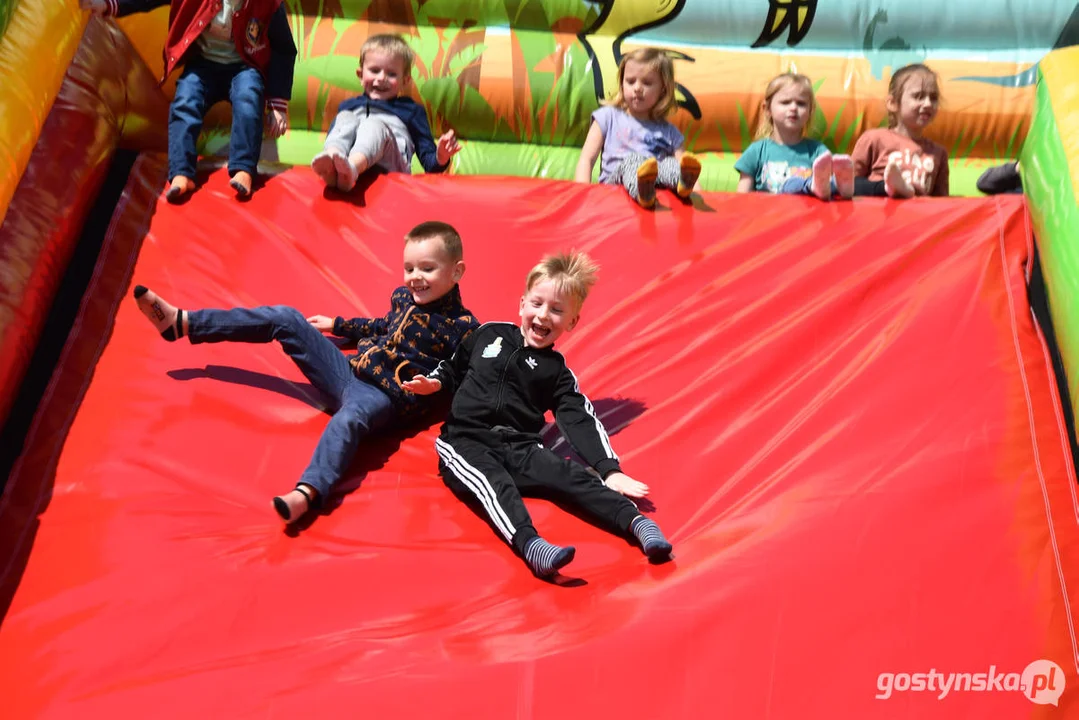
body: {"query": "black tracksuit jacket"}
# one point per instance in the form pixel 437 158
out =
pixel 500 383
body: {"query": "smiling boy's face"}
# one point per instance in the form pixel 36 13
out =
pixel 546 313
pixel 382 74
pixel 430 273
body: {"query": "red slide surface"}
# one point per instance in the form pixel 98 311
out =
pixel 845 413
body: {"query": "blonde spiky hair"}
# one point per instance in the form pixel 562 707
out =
pixel 573 273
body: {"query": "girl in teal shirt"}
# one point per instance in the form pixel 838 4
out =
pixel 782 160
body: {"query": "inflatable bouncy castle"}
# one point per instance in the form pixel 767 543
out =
pixel 855 423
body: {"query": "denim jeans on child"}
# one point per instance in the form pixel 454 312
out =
pixel 202 84
pixel 802 186
pixel 359 409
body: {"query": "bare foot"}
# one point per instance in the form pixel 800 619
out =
pixel 895 184
pixel 241 183
pixel 162 315
pixel 822 177
pixel 843 170
pixel 293 505
pixel 179 188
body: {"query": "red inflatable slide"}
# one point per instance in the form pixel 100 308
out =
pixel 845 411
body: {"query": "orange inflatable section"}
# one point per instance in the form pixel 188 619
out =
pixel 844 410
pixel 107 99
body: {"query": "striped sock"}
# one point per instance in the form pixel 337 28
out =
pixel 650 537
pixel 544 558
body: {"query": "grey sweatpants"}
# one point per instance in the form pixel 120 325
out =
pixel 376 137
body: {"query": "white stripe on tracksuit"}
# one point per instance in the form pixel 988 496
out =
pixel 477 482
pixel 600 430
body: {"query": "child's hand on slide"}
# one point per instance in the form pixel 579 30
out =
pixel 622 483
pixel 97 7
pixel 276 122
pixel 447 147
pixel 321 322
pixel 422 385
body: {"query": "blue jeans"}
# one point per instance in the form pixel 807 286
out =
pixel 202 84
pixel 801 186
pixel 358 409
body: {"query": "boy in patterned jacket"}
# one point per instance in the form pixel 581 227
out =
pixel 364 390
pixel 236 50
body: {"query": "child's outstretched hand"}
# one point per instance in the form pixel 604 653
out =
pixel 447 147
pixel 276 122
pixel 422 385
pixel 97 7
pixel 321 322
pixel 622 483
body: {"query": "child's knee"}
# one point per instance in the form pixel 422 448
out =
pixel 188 104
pixel 373 134
pixel 288 316
pixel 247 99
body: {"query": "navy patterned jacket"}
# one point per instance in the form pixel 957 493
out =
pixel 411 340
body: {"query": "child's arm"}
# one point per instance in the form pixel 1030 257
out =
pixel 279 73
pixel 940 185
pixel 593 144
pixel 862 156
pixel 449 373
pixel 447 147
pixel 120 8
pixel 322 323
pixel 624 484
pixel 356 328
pixel 578 421
pixel 359 328
pixel 749 167
pixel 434 158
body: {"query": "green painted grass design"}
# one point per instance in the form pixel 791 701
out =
pixel 554 107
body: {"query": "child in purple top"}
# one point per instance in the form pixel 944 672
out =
pixel 641 149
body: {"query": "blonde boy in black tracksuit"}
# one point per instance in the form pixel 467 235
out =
pixel 505 377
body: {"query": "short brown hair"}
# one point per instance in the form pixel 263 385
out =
pixel 573 272
pixel 395 45
pixel 451 239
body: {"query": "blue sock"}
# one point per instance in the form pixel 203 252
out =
pixel 544 558
pixel 650 537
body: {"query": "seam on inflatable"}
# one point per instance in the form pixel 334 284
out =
pixel 1034 439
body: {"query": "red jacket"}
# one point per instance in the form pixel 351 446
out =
pixel 259 28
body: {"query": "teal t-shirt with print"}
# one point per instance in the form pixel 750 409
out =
pixel 772 164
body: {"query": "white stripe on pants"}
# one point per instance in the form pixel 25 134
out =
pixel 477 482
